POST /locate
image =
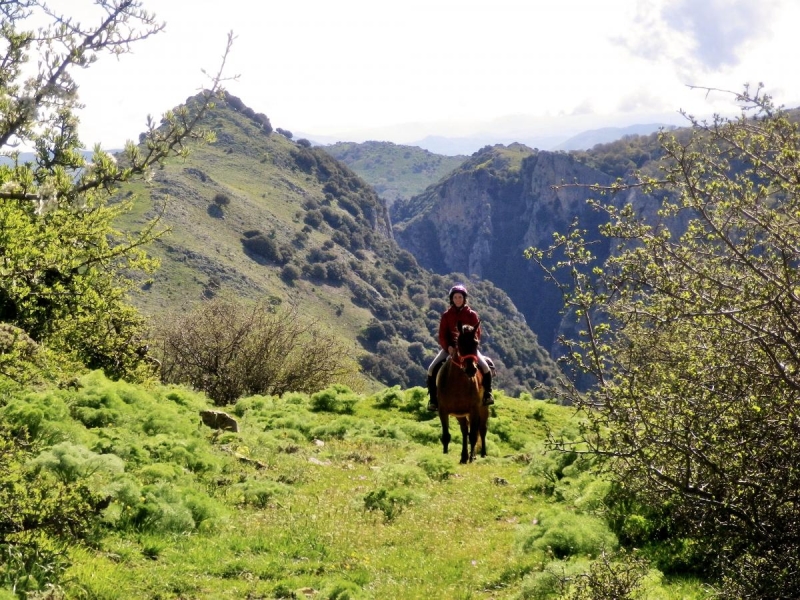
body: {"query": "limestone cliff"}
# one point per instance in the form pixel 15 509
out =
pixel 480 220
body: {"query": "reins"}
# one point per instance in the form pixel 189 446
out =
pixel 458 360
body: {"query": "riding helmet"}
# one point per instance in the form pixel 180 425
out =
pixel 460 289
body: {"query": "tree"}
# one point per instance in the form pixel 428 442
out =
pixel 64 270
pixel 692 336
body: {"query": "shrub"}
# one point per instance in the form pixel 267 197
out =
pixel 267 248
pixel 258 493
pixel 290 273
pixel 437 466
pixel 565 534
pixel 336 399
pixel 313 218
pixel 390 502
pixel 342 590
pixel 222 200
pixel 338 429
pixel 263 120
pixel 392 397
pixel 71 463
pixel 228 349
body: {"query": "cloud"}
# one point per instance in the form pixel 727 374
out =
pixel 642 101
pixel 698 36
pixel 720 29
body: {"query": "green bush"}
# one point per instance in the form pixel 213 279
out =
pixel 437 466
pixel 342 590
pixel 336 399
pixel 298 422
pixel 165 508
pixel 159 472
pixel 40 515
pixel 258 493
pixel 564 534
pixel 390 502
pixel 71 462
pixel 392 397
pixel 416 400
pixel 290 273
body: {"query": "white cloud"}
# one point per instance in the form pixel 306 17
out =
pixel 448 65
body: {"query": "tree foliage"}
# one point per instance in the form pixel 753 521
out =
pixel 692 335
pixel 229 349
pixel 64 269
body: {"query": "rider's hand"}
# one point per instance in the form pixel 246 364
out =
pixel 451 351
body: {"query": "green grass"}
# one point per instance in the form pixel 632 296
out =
pixel 339 494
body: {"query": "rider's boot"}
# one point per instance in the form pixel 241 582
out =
pixel 433 403
pixel 488 398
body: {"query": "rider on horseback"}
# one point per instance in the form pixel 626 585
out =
pixel 459 312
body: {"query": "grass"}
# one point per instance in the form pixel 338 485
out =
pixel 354 501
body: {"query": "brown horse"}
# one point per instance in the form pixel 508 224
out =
pixel 459 386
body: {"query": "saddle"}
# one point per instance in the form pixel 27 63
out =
pixel 490 362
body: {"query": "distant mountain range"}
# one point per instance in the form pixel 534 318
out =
pixel 589 139
pixel 467 145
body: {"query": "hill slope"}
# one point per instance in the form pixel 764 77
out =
pixel 258 215
pixel 394 171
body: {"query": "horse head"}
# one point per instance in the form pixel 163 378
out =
pixel 467 345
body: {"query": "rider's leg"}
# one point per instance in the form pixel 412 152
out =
pixel 488 397
pixel 436 364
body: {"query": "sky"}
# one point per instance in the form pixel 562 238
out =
pixel 404 71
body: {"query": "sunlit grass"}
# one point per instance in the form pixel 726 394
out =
pixel 306 501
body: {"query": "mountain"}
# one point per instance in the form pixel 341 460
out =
pixel 453 146
pixel 482 218
pixel 256 214
pixel 394 171
pixel 604 135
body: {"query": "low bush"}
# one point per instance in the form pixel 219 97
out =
pixel 565 534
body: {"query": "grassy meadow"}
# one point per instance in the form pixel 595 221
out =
pixel 332 495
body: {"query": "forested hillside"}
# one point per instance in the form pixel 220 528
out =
pixel 395 172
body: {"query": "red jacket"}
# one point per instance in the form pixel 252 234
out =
pixel 448 325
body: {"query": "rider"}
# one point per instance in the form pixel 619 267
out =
pixel 459 312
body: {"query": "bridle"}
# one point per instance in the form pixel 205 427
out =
pixel 460 361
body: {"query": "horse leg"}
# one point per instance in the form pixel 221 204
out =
pixel 445 419
pixel 474 430
pixel 484 427
pixel 463 421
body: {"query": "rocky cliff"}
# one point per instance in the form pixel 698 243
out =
pixel 499 203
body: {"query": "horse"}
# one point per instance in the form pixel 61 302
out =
pixel 459 386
